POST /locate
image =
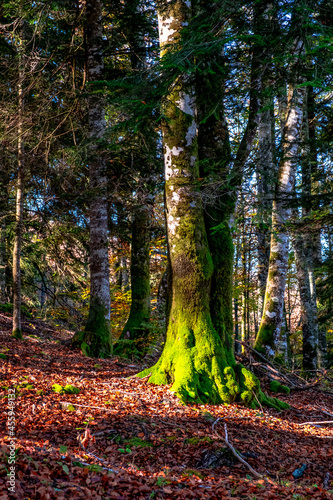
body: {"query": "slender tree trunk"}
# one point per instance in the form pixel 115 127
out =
pixel 97 338
pixel 17 327
pixel 308 312
pixel 122 279
pixel 265 175
pixel 317 260
pixel 244 290
pixel 137 325
pixel 303 246
pixel 238 347
pixel 270 339
pixel 266 165
pixel 3 257
pixel 4 209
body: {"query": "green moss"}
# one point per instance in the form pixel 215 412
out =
pixel 77 339
pixel 3 356
pixel 96 341
pixel 194 440
pixel 57 388
pixel 231 383
pixel 68 389
pixel 139 443
pixel 84 349
pixel 192 472
pixel 198 375
pixel 275 386
pixel 128 348
pixel 265 338
pixel 17 334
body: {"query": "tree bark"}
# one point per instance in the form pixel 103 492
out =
pixel 4 209
pixel 17 298
pixel 97 338
pixel 271 339
pixel 265 181
pixel 304 250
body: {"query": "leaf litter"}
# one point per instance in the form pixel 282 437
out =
pixel 120 437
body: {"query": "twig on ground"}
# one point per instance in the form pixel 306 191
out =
pixel 316 423
pixel 226 440
pixel 323 411
pixel 261 408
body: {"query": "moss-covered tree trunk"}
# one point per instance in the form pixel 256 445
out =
pixel 97 337
pixel 136 328
pixel 271 339
pixel 198 357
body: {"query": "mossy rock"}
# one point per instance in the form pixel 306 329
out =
pixel 276 387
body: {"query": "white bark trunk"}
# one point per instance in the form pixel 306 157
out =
pixel 270 338
pixel 303 246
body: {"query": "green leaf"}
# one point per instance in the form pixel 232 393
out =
pixel 65 469
pixel 63 449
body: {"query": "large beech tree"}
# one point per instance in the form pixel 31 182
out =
pixel 198 355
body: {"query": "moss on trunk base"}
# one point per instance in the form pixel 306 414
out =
pixel 96 340
pixel 17 334
pixel 195 363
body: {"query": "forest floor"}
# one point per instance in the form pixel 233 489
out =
pixel 122 438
